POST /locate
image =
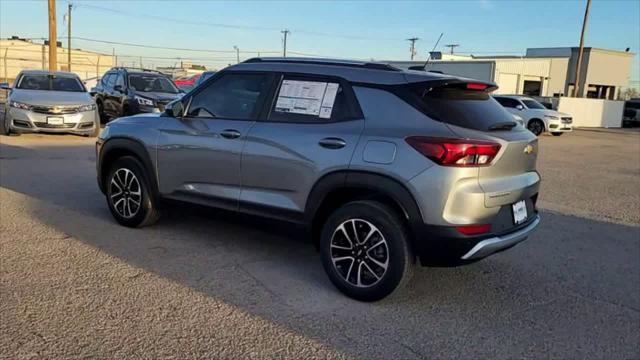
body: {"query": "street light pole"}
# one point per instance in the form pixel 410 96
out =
pixel 237 53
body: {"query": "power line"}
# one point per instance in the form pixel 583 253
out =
pixel 232 26
pixel 164 47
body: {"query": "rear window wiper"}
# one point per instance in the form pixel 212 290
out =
pixel 507 125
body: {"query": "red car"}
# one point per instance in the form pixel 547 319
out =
pixel 187 84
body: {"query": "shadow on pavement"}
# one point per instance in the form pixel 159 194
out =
pixel 571 290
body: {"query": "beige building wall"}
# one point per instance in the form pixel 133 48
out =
pixel 610 68
pixel 18 55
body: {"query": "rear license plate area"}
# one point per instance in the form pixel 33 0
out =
pixel 519 212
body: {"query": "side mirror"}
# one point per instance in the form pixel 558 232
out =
pixel 5 86
pixel 174 109
pixel 118 88
pixel 519 107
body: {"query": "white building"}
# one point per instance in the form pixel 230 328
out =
pixel 541 72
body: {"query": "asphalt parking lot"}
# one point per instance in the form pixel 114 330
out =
pixel 203 284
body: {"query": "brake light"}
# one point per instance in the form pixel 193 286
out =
pixel 455 152
pixel 476 86
pixel 474 229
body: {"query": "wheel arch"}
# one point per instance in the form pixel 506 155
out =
pixel 115 148
pixel 338 188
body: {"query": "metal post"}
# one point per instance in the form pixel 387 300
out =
pixel 44 57
pixel 576 87
pixel 98 67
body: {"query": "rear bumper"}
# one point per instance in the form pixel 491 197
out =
pixel 445 246
pixel 489 246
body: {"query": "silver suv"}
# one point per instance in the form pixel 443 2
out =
pixel 386 167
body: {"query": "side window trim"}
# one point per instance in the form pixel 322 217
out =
pixel 355 111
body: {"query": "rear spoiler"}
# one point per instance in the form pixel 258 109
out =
pixel 460 83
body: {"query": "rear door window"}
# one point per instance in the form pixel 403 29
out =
pixel 313 99
pixel 455 104
pixel 507 102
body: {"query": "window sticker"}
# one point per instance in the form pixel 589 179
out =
pixel 307 98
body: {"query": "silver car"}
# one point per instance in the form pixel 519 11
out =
pixel 385 167
pixel 43 101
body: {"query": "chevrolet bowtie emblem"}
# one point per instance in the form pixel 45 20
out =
pixel 529 149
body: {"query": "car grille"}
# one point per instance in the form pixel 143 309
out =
pixel 567 120
pixel 55 110
pixel 50 126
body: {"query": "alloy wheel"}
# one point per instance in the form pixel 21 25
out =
pixel 359 252
pixel 536 127
pixel 125 193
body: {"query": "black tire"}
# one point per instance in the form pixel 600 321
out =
pixel 4 125
pixel 147 211
pixel 375 281
pixel 103 117
pixel 557 134
pixel 96 128
pixel 536 127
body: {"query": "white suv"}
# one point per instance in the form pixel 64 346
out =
pixel 537 118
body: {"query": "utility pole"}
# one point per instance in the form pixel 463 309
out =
pixel 284 49
pixel 114 58
pixel 451 47
pixel 413 46
pixel 237 53
pixel 53 37
pixel 576 87
pixel 69 37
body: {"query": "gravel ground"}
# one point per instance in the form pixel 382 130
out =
pixel 206 284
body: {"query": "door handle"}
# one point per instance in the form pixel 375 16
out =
pixel 332 143
pixel 230 134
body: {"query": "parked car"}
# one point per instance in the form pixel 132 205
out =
pixel 54 102
pixel 204 76
pixel 187 83
pixel 126 91
pixel 631 113
pixel 537 117
pixel 384 166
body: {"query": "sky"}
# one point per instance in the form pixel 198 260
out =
pixel 341 29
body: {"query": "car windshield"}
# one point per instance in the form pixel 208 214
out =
pixel 50 82
pixel 152 83
pixel 532 104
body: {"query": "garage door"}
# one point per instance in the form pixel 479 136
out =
pixel 507 84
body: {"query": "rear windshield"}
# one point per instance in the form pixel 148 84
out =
pixel 152 83
pixel 532 104
pixel 50 82
pixel 456 105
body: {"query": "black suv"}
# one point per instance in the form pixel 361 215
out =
pixel 126 91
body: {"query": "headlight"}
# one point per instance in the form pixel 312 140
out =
pixel 88 107
pixel 519 119
pixel 551 117
pixel 144 101
pixel 19 105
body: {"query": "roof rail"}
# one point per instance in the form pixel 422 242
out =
pixel 138 69
pixel 321 61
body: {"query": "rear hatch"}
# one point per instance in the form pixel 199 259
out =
pixel 467 108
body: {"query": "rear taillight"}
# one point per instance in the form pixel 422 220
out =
pixel 455 152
